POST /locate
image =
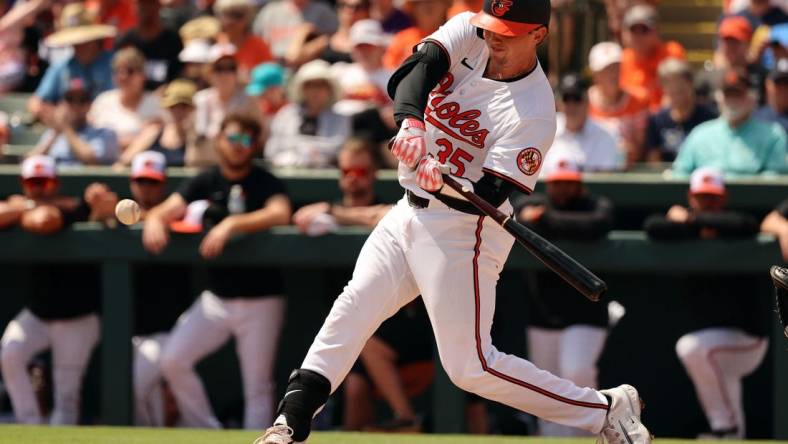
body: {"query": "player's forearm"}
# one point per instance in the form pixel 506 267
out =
pixel 411 84
pixel 728 223
pixel 276 212
pixel 9 215
pixel 365 216
pixel 774 223
pixel 660 228
pixel 171 209
pixel 577 225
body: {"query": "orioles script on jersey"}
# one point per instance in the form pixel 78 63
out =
pixel 452 118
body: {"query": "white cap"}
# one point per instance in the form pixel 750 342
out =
pixel 369 32
pixel 196 51
pixel 149 165
pixel 192 220
pixel 221 50
pixel 603 55
pixel 314 70
pixel 707 180
pixel 39 167
pixel 561 166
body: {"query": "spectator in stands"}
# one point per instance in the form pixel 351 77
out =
pixel 764 13
pixel 459 6
pixel 118 13
pixel 778 42
pixel 159 45
pixel 60 313
pixel 776 223
pixel 358 206
pixel 268 87
pixel 668 128
pixel 307 45
pixel 735 35
pixel 14 52
pixel 589 145
pixel 566 334
pixel 226 95
pixel 735 142
pixel 204 27
pixel 727 339
pixel 235 17
pixel 776 108
pixel 278 22
pixel 644 51
pixel 396 364
pixel 70 139
pixel 195 60
pixel 622 114
pixel 173 137
pixel 90 63
pixel 616 10
pixel 428 16
pixel 391 18
pixel 128 107
pixel 241 302
pixel 561 48
pixel 364 84
pixel 161 293
pixel 307 132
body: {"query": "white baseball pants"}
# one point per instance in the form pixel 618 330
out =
pixel 716 360
pixel 71 340
pixel 570 353
pixel 207 325
pixel 148 394
pixel 453 260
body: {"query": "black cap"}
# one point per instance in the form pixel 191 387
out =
pixel 780 71
pixel 512 17
pixel 573 84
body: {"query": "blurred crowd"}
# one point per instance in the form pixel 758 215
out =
pixel 232 85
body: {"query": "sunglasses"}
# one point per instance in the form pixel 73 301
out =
pixel 225 67
pixel 127 71
pixel 234 15
pixel 38 182
pixel 354 172
pixel 640 29
pixel 241 139
pixel 572 98
pixel 145 182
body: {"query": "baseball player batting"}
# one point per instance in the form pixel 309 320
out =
pixel 474 98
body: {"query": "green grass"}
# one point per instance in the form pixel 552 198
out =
pixel 111 435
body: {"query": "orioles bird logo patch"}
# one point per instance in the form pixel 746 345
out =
pixel 500 7
pixel 529 160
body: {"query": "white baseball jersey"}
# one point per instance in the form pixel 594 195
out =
pixel 477 125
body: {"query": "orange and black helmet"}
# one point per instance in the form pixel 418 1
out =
pixel 512 17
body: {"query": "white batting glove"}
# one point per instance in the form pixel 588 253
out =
pixel 428 174
pixel 409 146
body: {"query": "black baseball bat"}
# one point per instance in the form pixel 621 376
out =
pixel 561 263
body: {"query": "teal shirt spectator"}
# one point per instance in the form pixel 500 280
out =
pixel 103 141
pixel 754 147
pixel 97 77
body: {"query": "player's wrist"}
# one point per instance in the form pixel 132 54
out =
pixel 412 122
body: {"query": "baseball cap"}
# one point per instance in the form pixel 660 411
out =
pixel 561 167
pixel 512 17
pixel 368 32
pixel 780 70
pixel 76 88
pixel 736 27
pixel 178 92
pixel 221 50
pixel 38 167
pixel 196 51
pixel 641 15
pixel 707 180
pixel 779 34
pixel 192 221
pixel 264 76
pixel 572 84
pixel 149 165
pixel 603 55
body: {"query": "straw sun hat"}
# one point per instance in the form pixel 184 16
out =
pixel 77 25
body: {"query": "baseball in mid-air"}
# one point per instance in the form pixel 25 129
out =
pixel 127 212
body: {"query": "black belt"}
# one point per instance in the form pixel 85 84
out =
pixel 460 205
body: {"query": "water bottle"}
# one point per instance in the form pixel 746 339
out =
pixel 235 203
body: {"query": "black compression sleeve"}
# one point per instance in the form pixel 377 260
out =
pixel 411 84
pixel 728 223
pixel 583 225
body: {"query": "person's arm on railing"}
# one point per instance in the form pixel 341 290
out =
pixel 156 233
pixel 11 210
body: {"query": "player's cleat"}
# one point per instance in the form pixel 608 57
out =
pixel 276 434
pixel 623 425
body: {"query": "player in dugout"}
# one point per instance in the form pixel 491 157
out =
pixel 241 302
pixel 472 102
pixel 61 312
pixel 726 339
pixel 566 333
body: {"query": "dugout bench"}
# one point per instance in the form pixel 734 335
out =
pixel 638 271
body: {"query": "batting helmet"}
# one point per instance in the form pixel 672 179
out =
pixel 512 17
